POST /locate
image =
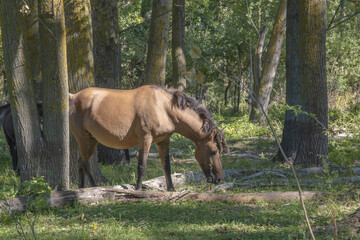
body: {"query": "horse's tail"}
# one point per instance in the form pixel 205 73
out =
pixel 71 102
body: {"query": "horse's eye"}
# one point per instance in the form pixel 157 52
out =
pixel 213 153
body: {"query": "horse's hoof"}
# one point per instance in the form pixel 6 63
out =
pixel 171 189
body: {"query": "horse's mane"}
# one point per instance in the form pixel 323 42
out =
pixel 182 101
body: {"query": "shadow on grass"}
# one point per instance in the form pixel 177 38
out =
pixel 182 220
pixel 255 145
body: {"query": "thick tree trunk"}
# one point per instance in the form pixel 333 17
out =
pixel 157 44
pixel 107 63
pixel 178 44
pixel 80 70
pixel 304 140
pixel 263 92
pixel 19 33
pixel 106 43
pixel 55 92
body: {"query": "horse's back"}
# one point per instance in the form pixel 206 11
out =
pixel 118 118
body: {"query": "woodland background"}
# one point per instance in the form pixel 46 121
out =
pixel 226 50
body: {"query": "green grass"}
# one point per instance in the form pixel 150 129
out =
pixel 183 220
pixel 191 219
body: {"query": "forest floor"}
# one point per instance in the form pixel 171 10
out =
pixel 190 219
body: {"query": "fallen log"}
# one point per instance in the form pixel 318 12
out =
pixel 99 194
pixel 65 198
pixel 212 197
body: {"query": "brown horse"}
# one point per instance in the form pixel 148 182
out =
pixel 126 118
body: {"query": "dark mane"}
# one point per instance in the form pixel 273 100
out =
pixel 182 101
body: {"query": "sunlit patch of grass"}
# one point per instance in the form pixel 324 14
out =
pixel 181 220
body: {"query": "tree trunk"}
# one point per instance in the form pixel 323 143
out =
pixel 303 138
pixel 19 35
pixel 55 92
pixel 80 70
pixel 258 59
pixel 157 43
pixel 178 44
pixel 107 63
pixel 272 60
pixel 257 71
pixel 240 83
pixel 226 93
pixel 106 43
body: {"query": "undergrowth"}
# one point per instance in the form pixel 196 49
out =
pixel 196 220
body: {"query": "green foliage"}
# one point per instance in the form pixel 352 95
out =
pixel 36 189
pixel 217 28
pixel 134 26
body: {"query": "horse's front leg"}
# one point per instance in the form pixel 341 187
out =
pixel 144 147
pixel 163 148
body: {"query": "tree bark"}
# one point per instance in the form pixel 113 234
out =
pixel 107 63
pixel 106 43
pixel 19 33
pixel 80 70
pixel 157 43
pixel 304 140
pixel 263 92
pixel 178 44
pixel 55 92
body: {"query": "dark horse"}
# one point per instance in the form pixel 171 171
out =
pixel 6 121
pixel 126 118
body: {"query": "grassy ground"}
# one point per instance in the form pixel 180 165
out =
pixel 196 220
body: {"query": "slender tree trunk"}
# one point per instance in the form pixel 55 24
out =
pixel 80 70
pixel 157 44
pixel 19 33
pixel 257 71
pixel 55 92
pixel 227 93
pixel 304 140
pixel 178 44
pixel 272 60
pixel 107 63
pixel 238 51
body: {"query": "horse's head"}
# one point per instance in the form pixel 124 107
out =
pixel 208 153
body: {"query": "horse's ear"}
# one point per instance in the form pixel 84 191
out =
pixel 225 145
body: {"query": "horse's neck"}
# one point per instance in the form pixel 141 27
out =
pixel 189 125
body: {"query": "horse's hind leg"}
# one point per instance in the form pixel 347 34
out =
pixel 87 145
pixel 144 147
pixel 92 147
pixel 13 152
pixel 163 148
